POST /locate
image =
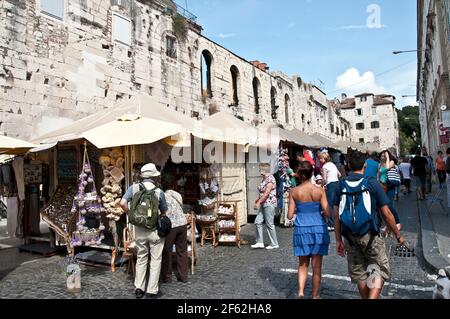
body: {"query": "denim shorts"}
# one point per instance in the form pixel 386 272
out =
pixel 421 181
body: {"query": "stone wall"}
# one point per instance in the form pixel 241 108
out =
pixel 56 71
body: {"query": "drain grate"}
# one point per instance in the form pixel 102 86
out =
pixel 403 252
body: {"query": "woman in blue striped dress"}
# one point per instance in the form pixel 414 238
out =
pixel 311 238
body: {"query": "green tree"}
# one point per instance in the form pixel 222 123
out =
pixel 409 126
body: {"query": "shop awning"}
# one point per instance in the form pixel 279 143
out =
pixel 324 141
pixel 306 139
pixel 224 127
pixel 14 146
pixel 42 147
pixel 271 134
pixel 130 130
pixel 345 145
pixel 161 123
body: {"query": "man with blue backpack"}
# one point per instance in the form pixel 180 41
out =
pixel 359 201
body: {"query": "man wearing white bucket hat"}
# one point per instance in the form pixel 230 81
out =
pixel 148 242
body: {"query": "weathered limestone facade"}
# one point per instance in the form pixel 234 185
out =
pixel 433 83
pixel 374 119
pixel 88 55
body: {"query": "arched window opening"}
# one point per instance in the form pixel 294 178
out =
pixel 235 84
pixel 256 94
pixel 273 102
pixel 206 64
pixel 287 105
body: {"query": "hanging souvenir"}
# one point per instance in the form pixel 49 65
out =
pixel 88 205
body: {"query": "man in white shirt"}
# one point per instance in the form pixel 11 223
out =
pixel 405 170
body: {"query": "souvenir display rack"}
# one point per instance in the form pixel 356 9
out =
pixel 228 225
pixel 87 204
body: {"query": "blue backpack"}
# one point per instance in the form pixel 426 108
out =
pixel 355 208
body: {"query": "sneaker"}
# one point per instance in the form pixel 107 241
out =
pixel 139 293
pixel 330 228
pixel 272 247
pixel 258 246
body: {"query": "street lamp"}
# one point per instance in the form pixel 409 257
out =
pixel 405 51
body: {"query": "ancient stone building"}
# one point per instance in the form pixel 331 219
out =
pixel 61 60
pixel 374 119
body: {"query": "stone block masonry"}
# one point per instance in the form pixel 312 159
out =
pixel 101 52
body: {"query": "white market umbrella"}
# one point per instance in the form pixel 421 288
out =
pixel 130 129
pixel 14 146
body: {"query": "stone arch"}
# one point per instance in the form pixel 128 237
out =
pixel 273 102
pixel 256 84
pixel 235 84
pixel 287 106
pixel 206 63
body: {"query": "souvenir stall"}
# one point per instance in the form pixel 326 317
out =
pixel 82 213
pixel 17 175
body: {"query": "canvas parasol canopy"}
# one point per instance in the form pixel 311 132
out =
pixel 139 120
pixel 130 129
pixel 14 146
pixel 324 142
pixel 224 127
pixel 306 139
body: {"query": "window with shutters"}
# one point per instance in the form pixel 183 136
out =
pixel 53 8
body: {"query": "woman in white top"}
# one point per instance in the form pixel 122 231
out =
pixel 330 175
pixel 405 170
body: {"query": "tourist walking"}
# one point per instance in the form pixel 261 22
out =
pixel 447 169
pixel 418 164
pixel 330 175
pixel 387 167
pixel 266 205
pixel 372 165
pixel 405 170
pixel 311 238
pixel 440 169
pixel 430 170
pixel 148 243
pixel 357 229
pixel 177 237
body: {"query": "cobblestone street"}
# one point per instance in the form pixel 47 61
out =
pixel 223 272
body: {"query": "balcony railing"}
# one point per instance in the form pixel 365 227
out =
pixel 185 13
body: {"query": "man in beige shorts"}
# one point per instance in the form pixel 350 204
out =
pixel 357 228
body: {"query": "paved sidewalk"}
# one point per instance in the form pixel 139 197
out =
pixel 435 229
pixel 222 272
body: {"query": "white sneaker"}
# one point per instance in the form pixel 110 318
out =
pixel 272 247
pixel 258 246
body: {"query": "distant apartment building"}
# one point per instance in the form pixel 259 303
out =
pixel 373 119
pixel 433 84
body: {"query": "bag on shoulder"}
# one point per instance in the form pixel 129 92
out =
pixel 144 208
pixel 164 226
pixel 355 208
pixel 393 177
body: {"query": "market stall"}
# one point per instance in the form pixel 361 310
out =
pixel 20 179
